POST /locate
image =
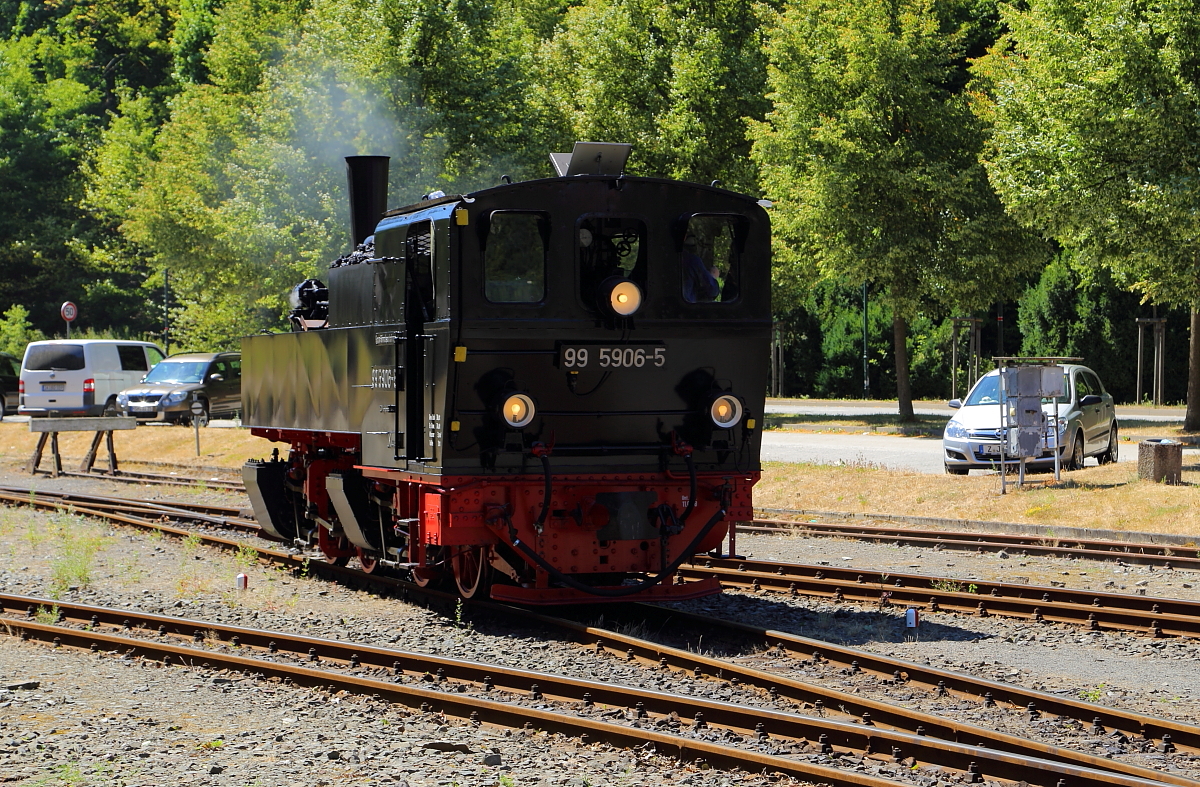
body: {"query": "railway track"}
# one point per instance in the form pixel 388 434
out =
pixel 134 477
pixel 515 698
pixel 1095 610
pixel 811 654
pixel 1135 553
pixel 241 519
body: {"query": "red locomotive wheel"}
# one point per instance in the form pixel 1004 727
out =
pixel 369 563
pixel 337 553
pixel 430 573
pixel 473 571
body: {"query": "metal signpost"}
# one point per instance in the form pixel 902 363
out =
pixel 69 312
pixel 1025 430
pixel 197 416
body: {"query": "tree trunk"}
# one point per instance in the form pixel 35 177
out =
pixel 1191 420
pixel 903 388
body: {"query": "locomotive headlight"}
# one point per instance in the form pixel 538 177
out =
pixel 518 410
pixel 624 297
pixel 726 411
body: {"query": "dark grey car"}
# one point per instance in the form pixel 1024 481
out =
pixel 10 383
pixel 168 391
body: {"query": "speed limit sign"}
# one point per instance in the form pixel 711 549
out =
pixel 69 311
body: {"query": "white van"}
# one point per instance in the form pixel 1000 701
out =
pixel 81 377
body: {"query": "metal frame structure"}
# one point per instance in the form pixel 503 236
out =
pixel 1019 361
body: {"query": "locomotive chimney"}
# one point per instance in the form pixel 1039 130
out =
pixel 367 177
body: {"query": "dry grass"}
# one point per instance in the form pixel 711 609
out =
pixel 1110 497
pixel 218 447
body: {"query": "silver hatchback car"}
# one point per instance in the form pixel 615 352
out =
pixel 1087 425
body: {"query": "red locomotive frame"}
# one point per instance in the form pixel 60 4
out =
pixel 460 526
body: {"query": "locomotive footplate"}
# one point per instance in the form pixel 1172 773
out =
pixel 547 596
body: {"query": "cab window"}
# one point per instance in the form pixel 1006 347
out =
pixel 133 358
pixel 711 259
pixel 610 246
pixel 514 257
pixel 154 355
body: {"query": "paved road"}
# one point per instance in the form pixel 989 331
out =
pixel 923 454
pixel 857 408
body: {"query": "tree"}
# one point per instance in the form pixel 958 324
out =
pixel 63 67
pixel 242 190
pixel 16 332
pixel 1097 140
pixel 870 154
pixel 1077 309
pixel 675 79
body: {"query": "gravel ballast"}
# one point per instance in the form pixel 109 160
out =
pixel 127 704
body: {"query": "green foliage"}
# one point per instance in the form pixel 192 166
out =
pixel 1078 310
pixel 675 79
pixel 47 616
pixel 1097 118
pixel 16 331
pixel 76 545
pixel 870 154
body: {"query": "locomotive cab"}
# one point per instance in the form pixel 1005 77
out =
pixel 545 392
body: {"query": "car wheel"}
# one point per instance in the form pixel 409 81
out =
pixel 1114 446
pixel 1076 462
pixel 955 470
pixel 110 408
pixel 204 417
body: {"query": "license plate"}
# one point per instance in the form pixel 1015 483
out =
pixel 989 450
pixel 597 356
pixel 54 386
pixel 141 407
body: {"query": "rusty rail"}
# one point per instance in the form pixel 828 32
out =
pixel 260 651
pixel 1138 553
pixel 1097 610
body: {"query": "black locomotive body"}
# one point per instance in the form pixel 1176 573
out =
pixel 547 391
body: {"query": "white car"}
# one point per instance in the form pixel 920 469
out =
pixel 1087 425
pixel 65 377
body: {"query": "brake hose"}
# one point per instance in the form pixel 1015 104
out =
pixel 543 452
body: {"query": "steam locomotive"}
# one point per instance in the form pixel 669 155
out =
pixel 544 392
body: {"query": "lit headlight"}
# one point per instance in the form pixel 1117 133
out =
pixel 175 397
pixel 624 297
pixel 518 410
pixel 726 411
pixel 122 398
pixel 956 430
